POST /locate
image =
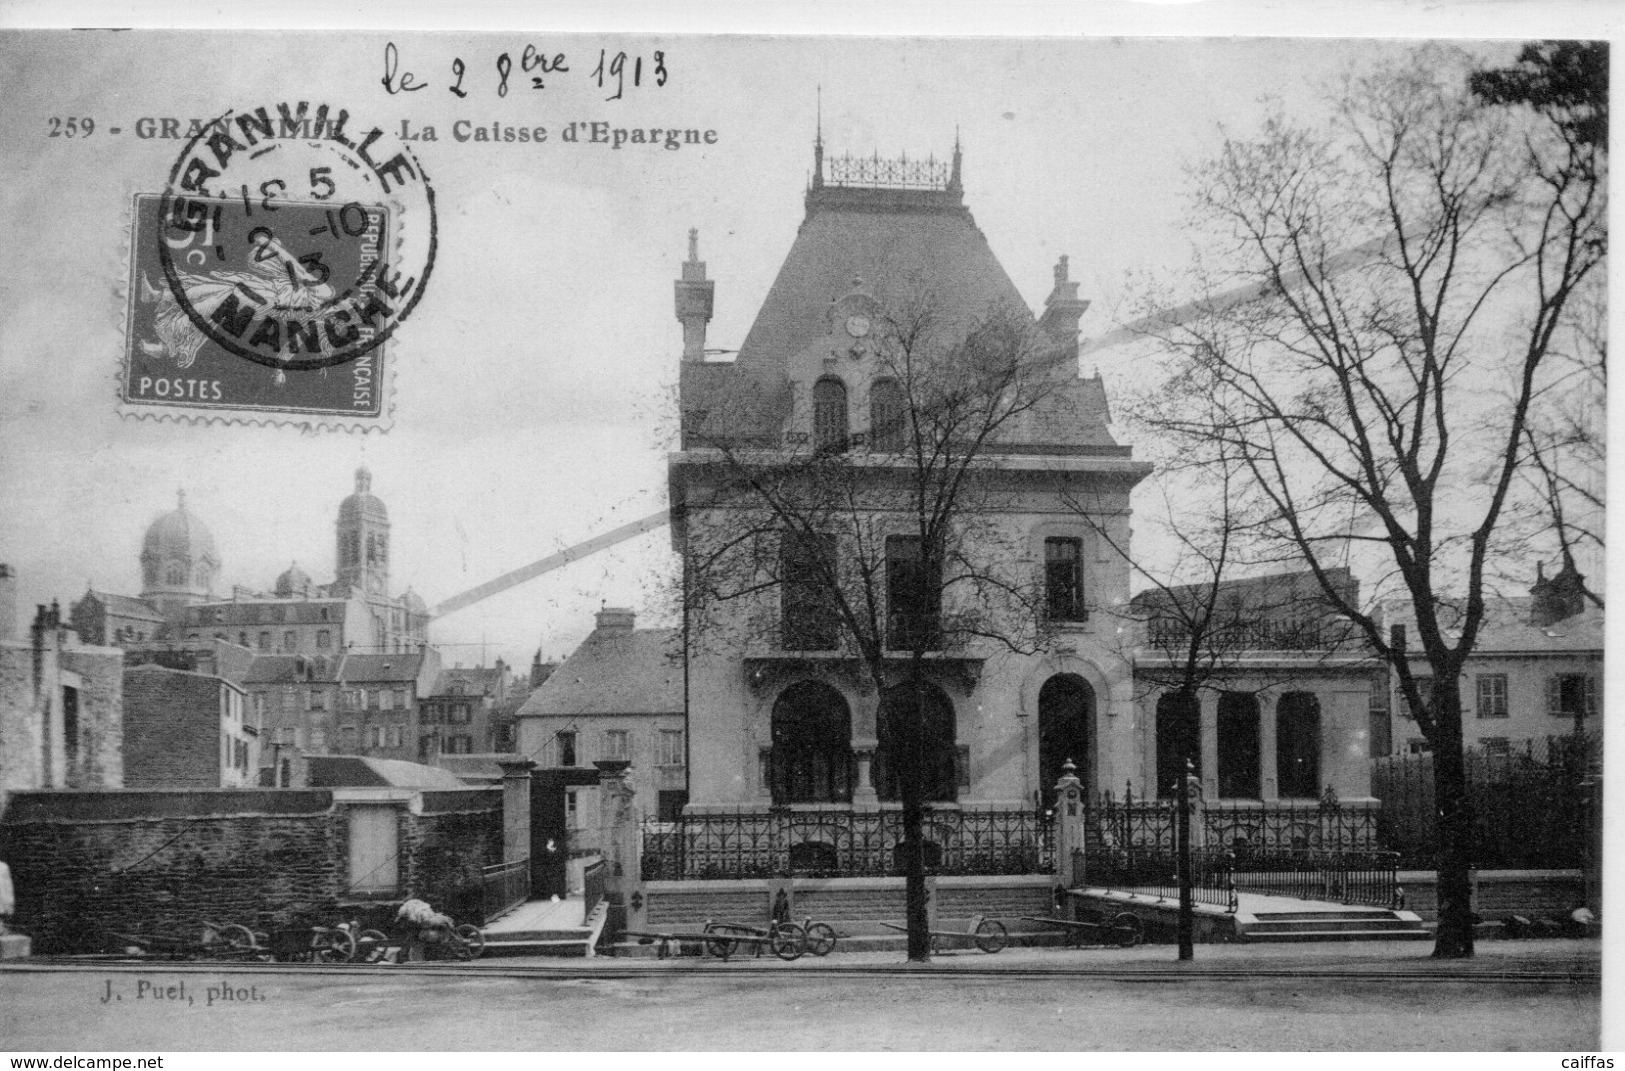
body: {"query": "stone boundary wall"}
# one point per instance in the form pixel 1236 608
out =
pixel 156 862
pixel 1499 893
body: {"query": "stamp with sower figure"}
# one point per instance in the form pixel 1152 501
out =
pixel 281 257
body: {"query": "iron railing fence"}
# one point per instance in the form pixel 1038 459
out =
pixel 504 887
pixel 1154 871
pixel 782 842
pixel 1218 874
pixel 592 886
pixel 1326 824
pixel 1347 877
pixel 1533 803
pixel 898 173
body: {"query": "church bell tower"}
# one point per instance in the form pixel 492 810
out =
pixel 363 539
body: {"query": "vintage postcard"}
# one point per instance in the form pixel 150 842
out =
pixel 553 539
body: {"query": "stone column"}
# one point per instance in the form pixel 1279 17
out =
pixel 1209 721
pixel 1069 831
pixel 619 843
pixel 515 807
pixel 865 718
pixel 1266 745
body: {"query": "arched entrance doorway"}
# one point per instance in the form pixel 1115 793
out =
pixel 936 753
pixel 811 760
pixel 1066 730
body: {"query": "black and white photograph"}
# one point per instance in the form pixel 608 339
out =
pixel 535 538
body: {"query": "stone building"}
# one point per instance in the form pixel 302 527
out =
pixel 185 729
pixel 347 704
pixel 61 705
pixel 618 696
pixel 464 712
pixel 775 720
pixel 180 609
pixel 1536 671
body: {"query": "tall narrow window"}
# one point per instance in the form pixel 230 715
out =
pixel 567 749
pixel 617 744
pixel 1297 745
pixel 1063 578
pixel 811 757
pixel 915 731
pixel 1178 740
pixel 886 423
pixel 913 595
pixel 829 416
pixel 1238 746
pixel 807 569
pixel 1492 695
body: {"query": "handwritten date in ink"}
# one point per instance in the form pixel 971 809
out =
pixel 619 72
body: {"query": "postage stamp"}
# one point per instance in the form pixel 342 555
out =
pixel 272 271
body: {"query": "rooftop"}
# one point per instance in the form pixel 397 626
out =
pixel 638 672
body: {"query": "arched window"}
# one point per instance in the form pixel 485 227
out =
pixel 812 746
pixel 829 416
pixel 1238 746
pixel 1297 745
pixel 886 423
pixel 1066 725
pixel 175 575
pixel 1179 736
pixel 904 711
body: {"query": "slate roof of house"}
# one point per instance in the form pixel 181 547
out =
pixel 1506 630
pixel 359 771
pixel 125 605
pixel 481 680
pixel 638 672
pixel 401 667
pixel 474 769
pixel 292 669
pixel 908 246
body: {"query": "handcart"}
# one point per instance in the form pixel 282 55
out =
pixel 987 934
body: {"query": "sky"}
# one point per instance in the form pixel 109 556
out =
pixel 532 386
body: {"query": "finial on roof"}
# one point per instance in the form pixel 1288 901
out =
pixel 363 481
pixel 693 244
pixel 953 177
pixel 818 143
pixel 180 498
pixel 1061 270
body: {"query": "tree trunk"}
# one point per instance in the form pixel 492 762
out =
pixel 912 782
pixel 1190 721
pixel 1454 939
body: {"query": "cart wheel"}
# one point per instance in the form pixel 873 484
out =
pixel 719 947
pixel 789 941
pixel 338 946
pixel 471 942
pixel 370 946
pixel 1129 929
pixel 240 940
pixel 990 935
pixel 821 939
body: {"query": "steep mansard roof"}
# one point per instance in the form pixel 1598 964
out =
pixel 639 672
pixel 910 248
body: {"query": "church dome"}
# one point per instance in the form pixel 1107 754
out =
pixel 363 504
pixel 414 602
pixel 179 536
pixel 294 581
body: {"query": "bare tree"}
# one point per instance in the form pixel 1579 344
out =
pixel 1362 401
pixel 891 547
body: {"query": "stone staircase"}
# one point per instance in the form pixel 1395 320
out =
pixel 1326 922
pixel 546 928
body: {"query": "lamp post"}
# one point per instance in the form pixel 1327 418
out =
pixel 1182 835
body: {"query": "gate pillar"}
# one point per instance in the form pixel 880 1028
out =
pixel 1069 832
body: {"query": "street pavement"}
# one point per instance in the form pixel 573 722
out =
pixel 1377 996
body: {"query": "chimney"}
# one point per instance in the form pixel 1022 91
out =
pixel 695 296
pixel 615 621
pixel 8 602
pixel 1063 308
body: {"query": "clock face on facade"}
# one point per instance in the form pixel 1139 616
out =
pixel 857 326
